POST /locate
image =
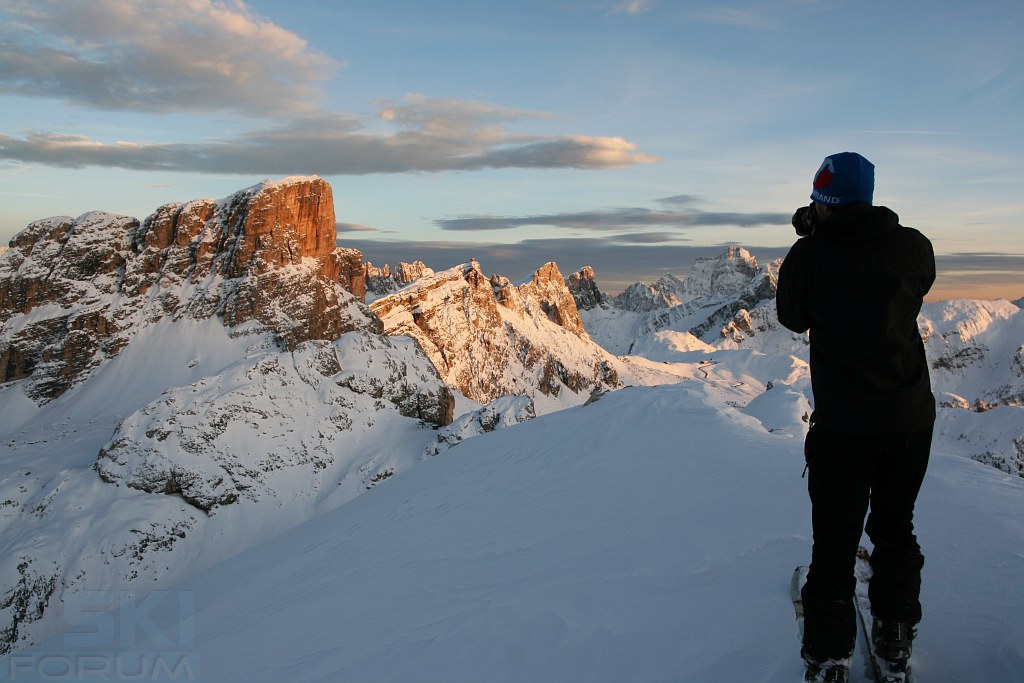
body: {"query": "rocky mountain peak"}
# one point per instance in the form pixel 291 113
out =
pixel 489 338
pixel 724 275
pixel 642 298
pixel 545 294
pixel 381 281
pixel 724 298
pixel 583 287
pixel 74 291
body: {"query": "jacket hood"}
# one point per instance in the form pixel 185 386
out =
pixel 859 223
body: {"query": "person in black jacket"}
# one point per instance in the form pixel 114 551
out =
pixel 856 279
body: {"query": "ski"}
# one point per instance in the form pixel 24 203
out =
pixel 877 668
pixel 797 582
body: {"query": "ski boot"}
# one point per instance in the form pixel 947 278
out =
pixel 831 671
pixel 893 641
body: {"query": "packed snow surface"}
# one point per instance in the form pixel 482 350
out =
pixel 648 536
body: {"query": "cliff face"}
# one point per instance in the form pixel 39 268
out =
pixel 74 291
pixel 490 338
pixel 583 287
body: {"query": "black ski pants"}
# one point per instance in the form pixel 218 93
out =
pixel 848 475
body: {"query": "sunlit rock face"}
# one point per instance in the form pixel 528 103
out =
pixel 490 338
pixel 73 292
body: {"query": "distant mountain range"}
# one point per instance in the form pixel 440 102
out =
pixel 176 390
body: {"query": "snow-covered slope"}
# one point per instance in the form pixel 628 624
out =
pixel 649 536
pixel 198 399
pixel 720 322
pixel 976 350
pixel 246 441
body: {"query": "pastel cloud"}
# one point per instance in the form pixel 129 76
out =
pixel 432 135
pixel 203 57
pixel 156 55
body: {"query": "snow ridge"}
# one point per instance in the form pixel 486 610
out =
pixel 243 405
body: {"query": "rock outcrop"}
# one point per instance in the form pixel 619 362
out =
pixel 724 275
pixel 725 298
pixel 502 413
pixel 546 293
pixel 383 280
pixel 74 291
pixel 583 287
pixel 490 338
pixel 642 298
pixel 293 410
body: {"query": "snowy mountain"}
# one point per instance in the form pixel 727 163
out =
pixel 725 311
pixel 74 292
pixel 160 374
pixel 381 281
pixel 467 480
pixel 489 338
pixel 649 536
pixel 720 305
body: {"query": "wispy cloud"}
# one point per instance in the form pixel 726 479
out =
pixel 739 18
pixel 978 275
pixel 679 200
pixel 982 261
pixel 648 238
pixel 632 6
pixel 617 219
pixel 353 227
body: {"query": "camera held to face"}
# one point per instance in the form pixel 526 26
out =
pixel 805 220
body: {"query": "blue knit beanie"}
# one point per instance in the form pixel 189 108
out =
pixel 844 178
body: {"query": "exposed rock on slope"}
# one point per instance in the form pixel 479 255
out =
pixel 383 281
pixel 725 298
pixel 490 338
pixel 976 351
pixel 583 287
pixel 187 442
pixel 74 291
pixel 640 298
pixel 498 414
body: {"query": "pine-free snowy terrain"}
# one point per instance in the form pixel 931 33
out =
pixel 646 537
pixel 264 461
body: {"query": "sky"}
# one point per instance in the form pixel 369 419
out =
pixel 629 135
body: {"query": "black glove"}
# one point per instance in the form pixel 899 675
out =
pixel 805 220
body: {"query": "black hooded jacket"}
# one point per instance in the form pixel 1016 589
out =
pixel 858 284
